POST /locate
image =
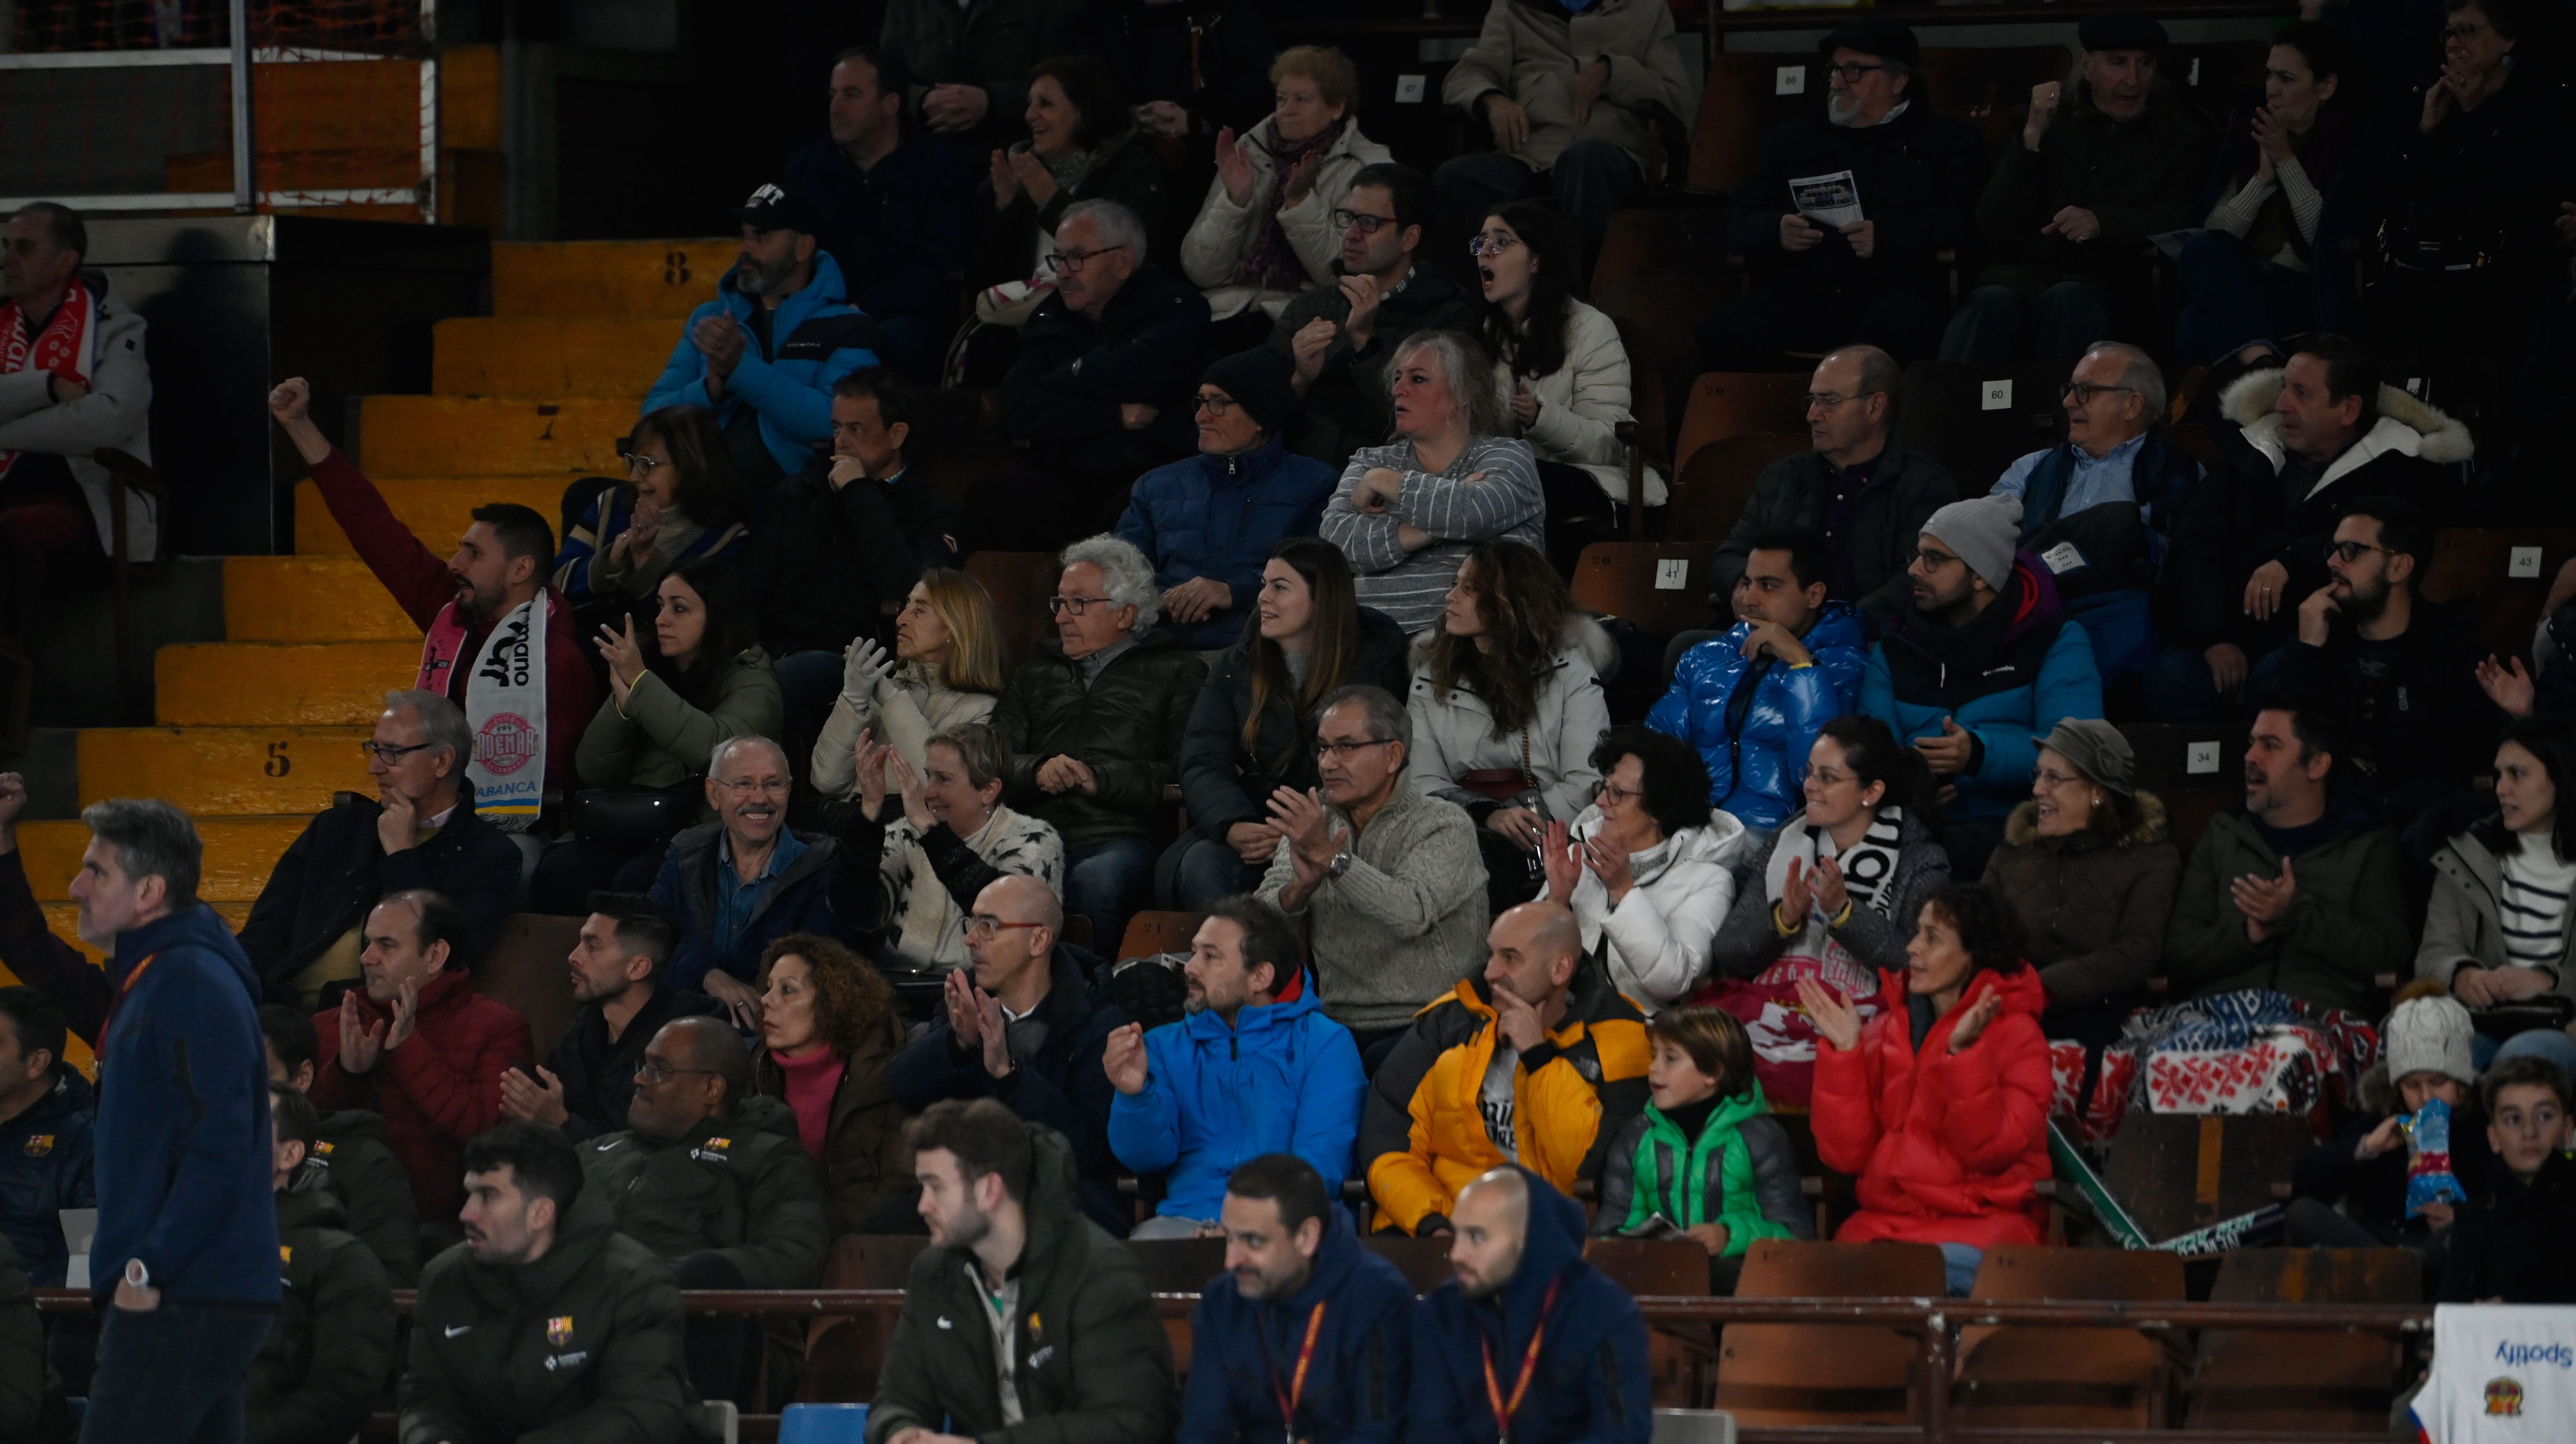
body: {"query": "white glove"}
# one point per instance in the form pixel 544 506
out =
pixel 864 669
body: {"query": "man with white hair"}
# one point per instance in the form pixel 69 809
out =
pixel 738 883
pixel 2098 508
pixel 1106 371
pixel 1091 725
pixel 419 832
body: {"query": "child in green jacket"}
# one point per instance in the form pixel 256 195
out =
pixel 1705 1160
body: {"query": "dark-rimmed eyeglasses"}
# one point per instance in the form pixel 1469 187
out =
pixel 389 752
pixel 1212 405
pixel 1058 606
pixel 1070 263
pixel 2349 552
pixel 654 1073
pixel 2083 392
pixel 1336 751
pixel 1851 70
pixel 1368 224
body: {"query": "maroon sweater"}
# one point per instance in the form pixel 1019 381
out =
pixel 441 1088
pixel 422 586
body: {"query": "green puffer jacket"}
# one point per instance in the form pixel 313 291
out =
pixel 22 1349
pixel 331 1346
pixel 2347 922
pixel 1127 728
pixel 580 1347
pixel 1741 1172
pixel 1093 1364
pixel 741 1187
pixel 355 1157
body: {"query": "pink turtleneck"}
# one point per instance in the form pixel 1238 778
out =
pixel 811 1082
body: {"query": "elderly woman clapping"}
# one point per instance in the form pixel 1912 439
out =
pixel 1407 513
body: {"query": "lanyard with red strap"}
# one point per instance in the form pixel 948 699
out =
pixel 1288 1397
pixel 1505 1409
pixel 118 1001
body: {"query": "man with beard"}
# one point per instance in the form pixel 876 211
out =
pixel 764 353
pixel 2399 673
pixel 1984 665
pixel 1256 1068
pixel 500 643
pixel 546 1323
pixel 1019 1310
pixel 1528 1343
pixel 1306 1335
pixel 616 968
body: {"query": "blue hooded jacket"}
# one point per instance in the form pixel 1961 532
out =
pixel 816 338
pixel 1219 516
pixel 1243 1353
pixel 1592 1385
pixel 45 1168
pixel 1755 743
pixel 1283 1079
pixel 184 1181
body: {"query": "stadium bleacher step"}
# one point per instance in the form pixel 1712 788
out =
pixel 552 356
pixel 282 684
pixel 431 436
pixel 309 599
pixel 224 771
pixel 239 853
pixel 437 509
pixel 608 278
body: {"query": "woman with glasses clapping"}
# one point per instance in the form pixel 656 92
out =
pixel 1649 867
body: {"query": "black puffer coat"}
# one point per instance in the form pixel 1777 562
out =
pixel 1126 727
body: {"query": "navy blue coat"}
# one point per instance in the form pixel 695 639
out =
pixel 1361 1372
pixel 1592 1384
pixel 184 1181
pixel 832 888
pixel 1756 745
pixel 44 1169
pixel 898 232
pixel 1219 516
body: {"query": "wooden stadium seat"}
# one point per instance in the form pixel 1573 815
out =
pixel 843 1356
pixel 1741 403
pixel 1728 134
pixel 2062 1378
pixel 1713 489
pixel 1020 583
pixel 1178 1266
pixel 1988 88
pixel 528 970
pixel 2472 574
pixel 1680 1356
pixel 1775 1375
pixel 1656 242
pixel 1424 1262
pixel 2178 1172
pixel 1631 580
pixel 1149 933
pixel 1658 318
pixel 2166 754
pixel 2282 1382
pixel 1944 415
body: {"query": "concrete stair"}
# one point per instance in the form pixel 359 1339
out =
pixel 239 853
pixel 437 509
pixel 401 437
pixel 610 278
pixel 309 599
pixel 225 771
pixel 611 356
pixel 289 684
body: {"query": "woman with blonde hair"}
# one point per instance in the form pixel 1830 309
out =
pixel 828 1028
pixel 1265 231
pixel 946 672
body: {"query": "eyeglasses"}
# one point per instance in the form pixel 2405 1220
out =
pixel 1851 70
pixel 1612 792
pixel 2083 392
pixel 749 785
pixel 1212 405
pixel 389 753
pixel 654 1073
pixel 1058 606
pixel 1070 263
pixel 1368 224
pixel 984 926
pixel 1490 245
pixel 637 461
pixel 2055 781
pixel 2349 552
pixel 1336 751
pixel 2462 31
pixel 1934 561
pixel 1827 401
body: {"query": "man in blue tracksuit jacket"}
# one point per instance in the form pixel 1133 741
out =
pixel 764 353
pixel 1753 699
pixel 1984 665
pixel 185 1261
pixel 1255 1068
pixel 1520 1275
pixel 1294 1263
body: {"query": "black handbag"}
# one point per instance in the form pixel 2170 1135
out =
pixel 2553 1011
pixel 631 818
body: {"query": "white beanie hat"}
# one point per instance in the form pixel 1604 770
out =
pixel 2429 1035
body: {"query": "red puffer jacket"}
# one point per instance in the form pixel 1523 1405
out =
pixel 439 1089
pixel 1949 1148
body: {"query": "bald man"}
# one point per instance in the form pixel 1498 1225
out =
pixel 715 1182
pixel 1021 1023
pixel 1520 1278
pixel 1536 1061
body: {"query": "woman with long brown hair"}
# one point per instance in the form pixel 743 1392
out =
pixel 1507 703
pixel 1253 730
pixel 827 1031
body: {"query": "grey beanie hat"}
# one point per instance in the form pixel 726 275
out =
pixel 2430 1035
pixel 1983 530
pixel 2098 748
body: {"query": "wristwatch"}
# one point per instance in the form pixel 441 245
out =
pixel 136 1275
pixel 1340 864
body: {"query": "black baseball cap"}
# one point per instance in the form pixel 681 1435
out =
pixel 771 208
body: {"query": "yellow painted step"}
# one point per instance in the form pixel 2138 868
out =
pixel 279 684
pixel 552 356
pixel 224 771
pixel 432 436
pixel 309 599
pixel 608 278
pixel 437 509
pixel 240 852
